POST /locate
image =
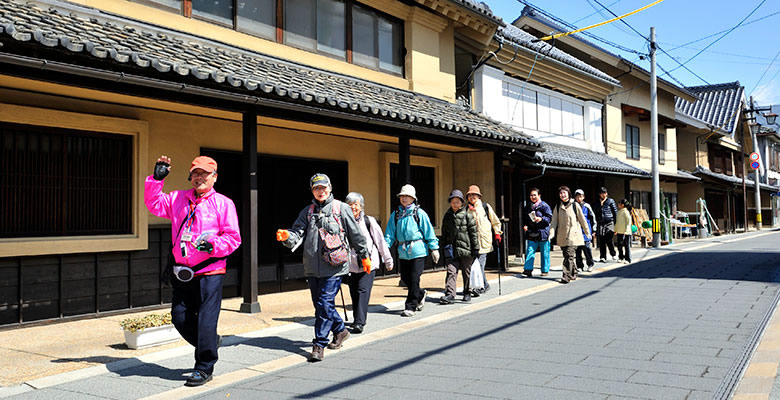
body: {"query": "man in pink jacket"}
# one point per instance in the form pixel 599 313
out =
pixel 204 231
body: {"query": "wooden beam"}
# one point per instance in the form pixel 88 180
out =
pixel 249 226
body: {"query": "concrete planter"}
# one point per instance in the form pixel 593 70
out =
pixel 149 337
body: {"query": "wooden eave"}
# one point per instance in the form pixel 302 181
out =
pixel 462 16
pixel 644 115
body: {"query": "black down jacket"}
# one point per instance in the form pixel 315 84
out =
pixel 460 230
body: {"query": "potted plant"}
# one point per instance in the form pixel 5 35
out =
pixel 149 330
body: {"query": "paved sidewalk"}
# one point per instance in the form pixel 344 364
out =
pixel 255 353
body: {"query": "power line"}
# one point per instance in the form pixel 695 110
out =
pixel 765 71
pixel 718 33
pixel 722 36
pixel 658 47
pixel 595 12
pixel 767 83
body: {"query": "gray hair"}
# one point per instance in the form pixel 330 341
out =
pixel 355 197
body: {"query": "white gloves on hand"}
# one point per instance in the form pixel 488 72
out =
pixel 435 256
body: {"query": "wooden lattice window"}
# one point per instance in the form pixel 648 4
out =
pixel 60 182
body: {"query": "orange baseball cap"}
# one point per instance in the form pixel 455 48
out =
pixel 205 163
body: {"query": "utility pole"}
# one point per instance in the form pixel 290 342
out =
pixel 757 175
pixel 656 210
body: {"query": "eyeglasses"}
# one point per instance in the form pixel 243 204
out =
pixel 319 188
pixel 201 174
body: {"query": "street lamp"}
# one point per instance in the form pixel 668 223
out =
pixel 770 118
pixel 755 128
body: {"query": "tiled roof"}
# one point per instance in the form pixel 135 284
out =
pixel 525 39
pixel 532 13
pixel 58 31
pixel 687 175
pixel 479 7
pixel 734 180
pixel 718 105
pixel 568 156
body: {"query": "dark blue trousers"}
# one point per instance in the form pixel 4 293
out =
pixel 326 318
pixel 195 311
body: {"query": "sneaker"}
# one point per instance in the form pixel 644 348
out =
pixel 545 273
pixel 590 268
pixel 317 353
pixel 528 272
pixel 614 258
pixel 563 281
pixel 197 378
pixel 401 283
pixel 475 293
pixel 357 328
pixel 338 339
pixel 407 313
pixel 626 261
pixel 486 288
pixel 467 297
pixel 448 299
pixel 603 260
pixel 422 301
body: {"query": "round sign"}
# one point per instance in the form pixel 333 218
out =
pixel 755 165
pixel 754 156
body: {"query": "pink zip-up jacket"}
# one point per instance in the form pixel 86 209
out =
pixel 213 212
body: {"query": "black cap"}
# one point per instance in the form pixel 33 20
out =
pixel 319 180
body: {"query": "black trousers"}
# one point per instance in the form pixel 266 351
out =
pixel 195 309
pixel 410 274
pixel 584 250
pixel 360 285
pixel 605 240
pixel 624 247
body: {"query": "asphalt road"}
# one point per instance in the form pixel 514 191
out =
pixel 673 327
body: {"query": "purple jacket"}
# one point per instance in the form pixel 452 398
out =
pixel 211 212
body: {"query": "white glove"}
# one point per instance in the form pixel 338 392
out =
pixel 435 256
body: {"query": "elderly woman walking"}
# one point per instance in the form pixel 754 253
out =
pixel 360 280
pixel 567 226
pixel 460 243
pixel 411 228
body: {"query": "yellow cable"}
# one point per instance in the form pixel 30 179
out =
pixel 600 23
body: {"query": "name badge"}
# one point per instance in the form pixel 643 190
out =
pixel 187 237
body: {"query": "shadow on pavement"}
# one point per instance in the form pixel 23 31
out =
pixel 725 265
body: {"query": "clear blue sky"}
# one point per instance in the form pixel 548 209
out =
pixel 743 55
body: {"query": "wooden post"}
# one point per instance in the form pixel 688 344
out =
pixel 249 226
pixel 404 163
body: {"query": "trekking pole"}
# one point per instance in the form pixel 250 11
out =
pixel 498 253
pixel 344 304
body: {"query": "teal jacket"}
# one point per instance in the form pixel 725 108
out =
pixel 414 241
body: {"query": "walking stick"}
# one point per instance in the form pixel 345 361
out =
pixel 498 253
pixel 346 318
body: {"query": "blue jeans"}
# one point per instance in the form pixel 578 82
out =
pixel 327 319
pixel 195 310
pixel 531 249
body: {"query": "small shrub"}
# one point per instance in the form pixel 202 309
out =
pixel 148 321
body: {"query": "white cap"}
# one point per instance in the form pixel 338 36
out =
pixel 579 191
pixel 408 190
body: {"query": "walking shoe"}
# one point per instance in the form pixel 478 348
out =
pixel 338 339
pixel 564 281
pixel 590 268
pixel 357 328
pixel 422 302
pixel 401 283
pixel 467 297
pixel 219 341
pixel 545 273
pixel 602 260
pixel 448 299
pixel 407 313
pixel 474 293
pixel 614 258
pixel 627 261
pixel 197 378
pixel 317 353
pixel 528 272
pixel 486 288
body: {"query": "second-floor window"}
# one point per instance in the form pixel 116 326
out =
pixel 632 142
pixel 342 29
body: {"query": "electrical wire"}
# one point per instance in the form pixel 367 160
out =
pixel 762 75
pixel 722 36
pixel 617 18
pixel 658 47
pixel 725 30
pixel 595 12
